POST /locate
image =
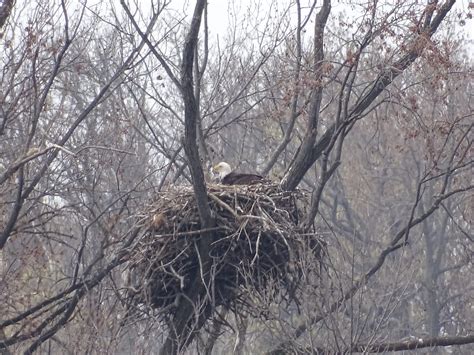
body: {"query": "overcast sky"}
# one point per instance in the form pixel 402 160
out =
pixel 219 11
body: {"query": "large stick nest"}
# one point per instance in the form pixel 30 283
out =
pixel 256 246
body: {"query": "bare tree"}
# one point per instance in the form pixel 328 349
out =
pixel 103 106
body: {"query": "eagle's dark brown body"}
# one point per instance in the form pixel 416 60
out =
pixel 242 179
pixel 228 177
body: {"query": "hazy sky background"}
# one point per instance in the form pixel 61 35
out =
pixel 224 15
pixel 219 12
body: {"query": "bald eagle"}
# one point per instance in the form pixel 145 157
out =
pixel 227 177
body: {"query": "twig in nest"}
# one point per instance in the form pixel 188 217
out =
pixel 255 246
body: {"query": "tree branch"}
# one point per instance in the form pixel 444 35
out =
pixel 393 246
pixel 5 9
pixel 184 324
pixel 412 344
pixel 303 160
pixel 309 151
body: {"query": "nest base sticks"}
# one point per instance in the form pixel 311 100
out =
pixel 256 245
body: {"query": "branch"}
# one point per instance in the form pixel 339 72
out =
pixel 309 152
pixel 185 321
pixel 393 246
pixel 88 282
pixel 5 9
pixel 82 116
pixel 295 99
pixel 412 344
pixel 144 37
pixel 32 154
pixel 190 116
pixel 302 160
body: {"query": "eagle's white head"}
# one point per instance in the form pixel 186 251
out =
pixel 221 170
